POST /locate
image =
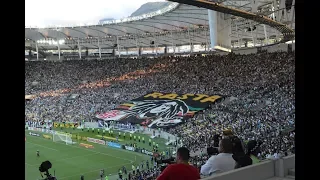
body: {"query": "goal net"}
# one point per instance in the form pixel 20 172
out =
pixel 62 137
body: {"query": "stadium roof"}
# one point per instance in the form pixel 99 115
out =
pixel 172 18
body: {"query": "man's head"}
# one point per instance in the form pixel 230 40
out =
pixel 183 155
pixel 225 146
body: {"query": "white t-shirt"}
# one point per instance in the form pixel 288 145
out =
pixel 217 164
pixel 276 156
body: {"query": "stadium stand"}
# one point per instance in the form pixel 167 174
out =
pixel 256 83
pixel 262 104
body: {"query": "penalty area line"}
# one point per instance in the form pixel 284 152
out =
pixel 129 160
pixel 63 159
pixel 42 146
pixel 92 171
pixel 30 164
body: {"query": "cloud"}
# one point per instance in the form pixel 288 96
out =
pixel 64 12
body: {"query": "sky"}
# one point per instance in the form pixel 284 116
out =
pixel 42 13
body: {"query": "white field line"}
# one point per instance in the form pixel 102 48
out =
pixel 42 146
pixel 62 159
pixel 30 164
pixel 92 151
pixel 92 171
pixel 130 152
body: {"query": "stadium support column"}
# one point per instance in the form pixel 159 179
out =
pixel 190 40
pixel 239 44
pixel 256 36
pixel 99 48
pixel 212 16
pixel 265 34
pixel 138 47
pixel 154 41
pixel 173 46
pixel 254 6
pixel 253 40
pixel 79 48
pixel 58 48
pixel 291 15
pixel 277 10
pixel 37 51
pixel 118 45
pixel 273 9
pixel 206 36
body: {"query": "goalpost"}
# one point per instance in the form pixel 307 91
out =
pixel 62 137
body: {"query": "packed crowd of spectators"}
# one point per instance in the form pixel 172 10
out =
pixel 258 90
pixel 149 174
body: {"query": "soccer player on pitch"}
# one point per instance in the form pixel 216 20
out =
pixel 38 153
pixel 101 173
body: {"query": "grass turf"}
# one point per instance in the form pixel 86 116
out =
pixel 72 161
pixel 85 133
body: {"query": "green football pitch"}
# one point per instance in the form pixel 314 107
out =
pixel 71 161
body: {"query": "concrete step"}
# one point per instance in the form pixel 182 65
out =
pixel 282 178
pixel 291 172
pixel 290 177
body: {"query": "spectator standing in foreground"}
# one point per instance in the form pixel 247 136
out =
pixel 222 162
pixel 239 155
pixel 181 170
pixel 253 150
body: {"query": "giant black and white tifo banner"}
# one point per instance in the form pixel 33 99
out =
pixel 159 109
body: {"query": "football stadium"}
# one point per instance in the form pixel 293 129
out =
pixel 145 90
